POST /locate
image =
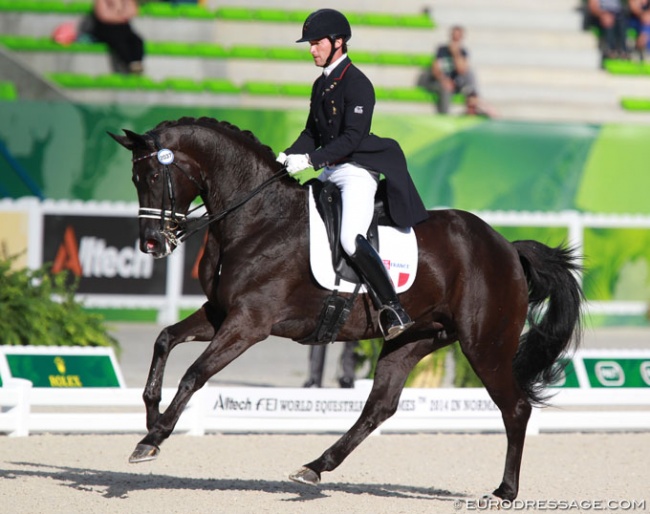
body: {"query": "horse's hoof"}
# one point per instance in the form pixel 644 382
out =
pixel 305 476
pixel 143 453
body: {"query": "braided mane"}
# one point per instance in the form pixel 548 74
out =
pixel 224 127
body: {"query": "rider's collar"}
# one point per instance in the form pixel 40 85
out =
pixel 329 69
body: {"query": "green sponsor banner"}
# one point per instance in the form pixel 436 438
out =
pixel 62 368
pixel 610 373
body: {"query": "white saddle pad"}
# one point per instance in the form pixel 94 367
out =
pixel 398 249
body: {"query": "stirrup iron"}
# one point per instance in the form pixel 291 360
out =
pixel 397 324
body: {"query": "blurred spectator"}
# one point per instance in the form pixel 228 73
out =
pixel 109 23
pixel 317 365
pixel 450 71
pixel 611 19
pixel 640 21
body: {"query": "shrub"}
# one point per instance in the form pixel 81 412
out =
pixel 38 308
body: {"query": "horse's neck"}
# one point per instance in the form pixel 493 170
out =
pixel 247 205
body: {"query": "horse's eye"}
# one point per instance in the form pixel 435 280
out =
pixel 154 177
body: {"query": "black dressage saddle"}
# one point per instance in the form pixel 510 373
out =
pixel 328 202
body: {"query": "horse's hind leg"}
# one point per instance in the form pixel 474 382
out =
pixel 493 365
pixel 393 367
pixel 200 326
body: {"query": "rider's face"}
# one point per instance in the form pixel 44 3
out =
pixel 320 50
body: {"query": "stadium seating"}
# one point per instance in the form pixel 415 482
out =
pixel 33 49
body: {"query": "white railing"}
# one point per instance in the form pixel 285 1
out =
pixel 169 303
pixel 299 410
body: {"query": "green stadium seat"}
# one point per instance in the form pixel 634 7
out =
pixel 209 50
pixel 234 13
pixel 184 85
pixel 272 15
pixel 410 95
pixel 170 48
pixel 374 19
pixel 45 44
pixel 262 88
pixel 301 90
pixel 224 86
pixel 419 21
pixel 364 57
pixel 298 16
pixel 288 54
pixel 621 67
pixel 220 86
pixel 167 10
pixel 72 80
pixel 636 104
pixel 395 59
pixel 247 52
pixel 45 6
pixel 113 81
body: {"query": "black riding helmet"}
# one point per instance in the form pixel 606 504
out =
pixel 325 23
pixel 328 23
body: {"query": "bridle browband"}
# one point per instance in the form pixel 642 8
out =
pixel 182 227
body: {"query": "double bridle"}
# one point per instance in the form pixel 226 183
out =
pixel 176 227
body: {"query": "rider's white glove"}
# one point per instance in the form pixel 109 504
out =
pixel 282 158
pixel 297 162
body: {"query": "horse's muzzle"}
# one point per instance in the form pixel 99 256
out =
pixel 156 244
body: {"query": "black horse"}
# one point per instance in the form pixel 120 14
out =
pixel 472 286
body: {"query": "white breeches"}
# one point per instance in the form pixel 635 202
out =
pixel 358 187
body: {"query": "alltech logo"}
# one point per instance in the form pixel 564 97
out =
pixel 103 252
pixel 93 257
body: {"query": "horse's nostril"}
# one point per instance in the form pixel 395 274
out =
pixel 151 245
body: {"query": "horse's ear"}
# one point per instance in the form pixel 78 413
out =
pixel 130 140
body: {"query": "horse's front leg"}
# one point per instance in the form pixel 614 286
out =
pixel 393 367
pixel 231 340
pixel 200 326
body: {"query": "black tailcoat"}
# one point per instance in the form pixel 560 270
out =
pixel 338 131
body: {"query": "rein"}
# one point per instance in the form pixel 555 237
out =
pixel 206 219
pixel 181 229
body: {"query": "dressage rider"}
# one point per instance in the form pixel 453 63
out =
pixel 337 139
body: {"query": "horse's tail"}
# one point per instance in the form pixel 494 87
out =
pixel 550 275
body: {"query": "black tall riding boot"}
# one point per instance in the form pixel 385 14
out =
pixel 393 319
